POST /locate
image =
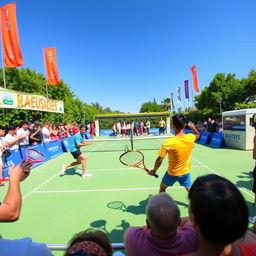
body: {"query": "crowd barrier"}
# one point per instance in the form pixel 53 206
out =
pixel 50 150
pixel 212 139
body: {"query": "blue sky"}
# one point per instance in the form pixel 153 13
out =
pixel 122 53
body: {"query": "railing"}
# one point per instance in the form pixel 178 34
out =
pixel 63 247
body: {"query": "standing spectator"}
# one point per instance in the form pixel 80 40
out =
pixel 23 134
pixel 118 128
pixel 114 130
pixel 161 126
pixel 123 128
pixel 141 127
pixel 74 128
pixel 3 147
pixel 179 149
pixel 148 127
pixel 36 135
pixel 46 132
pixel 54 133
pixel 128 129
pixel 136 128
pixel 11 138
pixel 92 130
pixel 161 235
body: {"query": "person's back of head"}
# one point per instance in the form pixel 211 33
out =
pixel 163 215
pixel 218 209
pixel 179 121
pixel 91 243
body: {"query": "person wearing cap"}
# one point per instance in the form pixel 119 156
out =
pixel 36 135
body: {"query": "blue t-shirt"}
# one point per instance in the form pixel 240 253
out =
pixel 78 138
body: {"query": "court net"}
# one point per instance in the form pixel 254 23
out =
pixel 123 144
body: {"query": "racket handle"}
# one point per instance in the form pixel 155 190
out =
pixel 156 175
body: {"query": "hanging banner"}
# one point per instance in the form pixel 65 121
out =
pixel 171 102
pixel 194 78
pixel 186 88
pixel 178 95
pixel 51 66
pixel 21 100
pixel 10 36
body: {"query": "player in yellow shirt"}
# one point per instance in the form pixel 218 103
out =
pixel 179 150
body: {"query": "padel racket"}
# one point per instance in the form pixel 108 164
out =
pixel 34 156
pixel 134 158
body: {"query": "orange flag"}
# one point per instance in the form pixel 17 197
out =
pixel 51 66
pixel 10 36
pixel 194 78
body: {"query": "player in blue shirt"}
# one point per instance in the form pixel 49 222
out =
pixel 78 141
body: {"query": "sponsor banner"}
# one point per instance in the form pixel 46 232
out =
pixel 21 100
pixel 66 144
pixel 194 79
pixel 10 36
pixel 53 149
pixel 51 65
pixel 13 159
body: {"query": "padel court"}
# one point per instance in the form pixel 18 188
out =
pixel 55 206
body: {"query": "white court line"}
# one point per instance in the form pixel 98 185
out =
pixel 210 169
pixel 45 182
pixel 100 190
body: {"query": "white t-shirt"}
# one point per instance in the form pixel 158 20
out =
pixel 9 138
pixel 22 132
pixel 46 132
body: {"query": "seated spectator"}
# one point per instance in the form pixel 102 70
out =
pixel 23 247
pixel 89 242
pixel 11 138
pixel 36 135
pixel 160 236
pixel 219 213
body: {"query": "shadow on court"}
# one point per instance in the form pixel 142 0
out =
pixel 179 203
pixel 244 183
pixel 71 171
pixel 135 209
pixel 115 235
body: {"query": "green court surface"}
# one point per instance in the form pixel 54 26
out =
pixel 56 207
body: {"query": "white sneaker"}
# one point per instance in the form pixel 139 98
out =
pixel 252 220
pixel 86 175
pixel 63 169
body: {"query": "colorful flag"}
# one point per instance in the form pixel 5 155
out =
pixel 51 65
pixel 178 95
pixel 186 89
pixel 10 36
pixel 194 78
pixel 171 102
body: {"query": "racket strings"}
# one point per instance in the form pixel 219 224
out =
pixel 132 158
pixel 35 155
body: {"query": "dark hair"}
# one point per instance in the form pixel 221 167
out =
pixel 219 209
pixel 24 122
pixel 2 127
pixel 179 121
pixel 11 127
pixel 96 236
pixel 82 126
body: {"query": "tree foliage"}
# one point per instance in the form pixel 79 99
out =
pixel 27 80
